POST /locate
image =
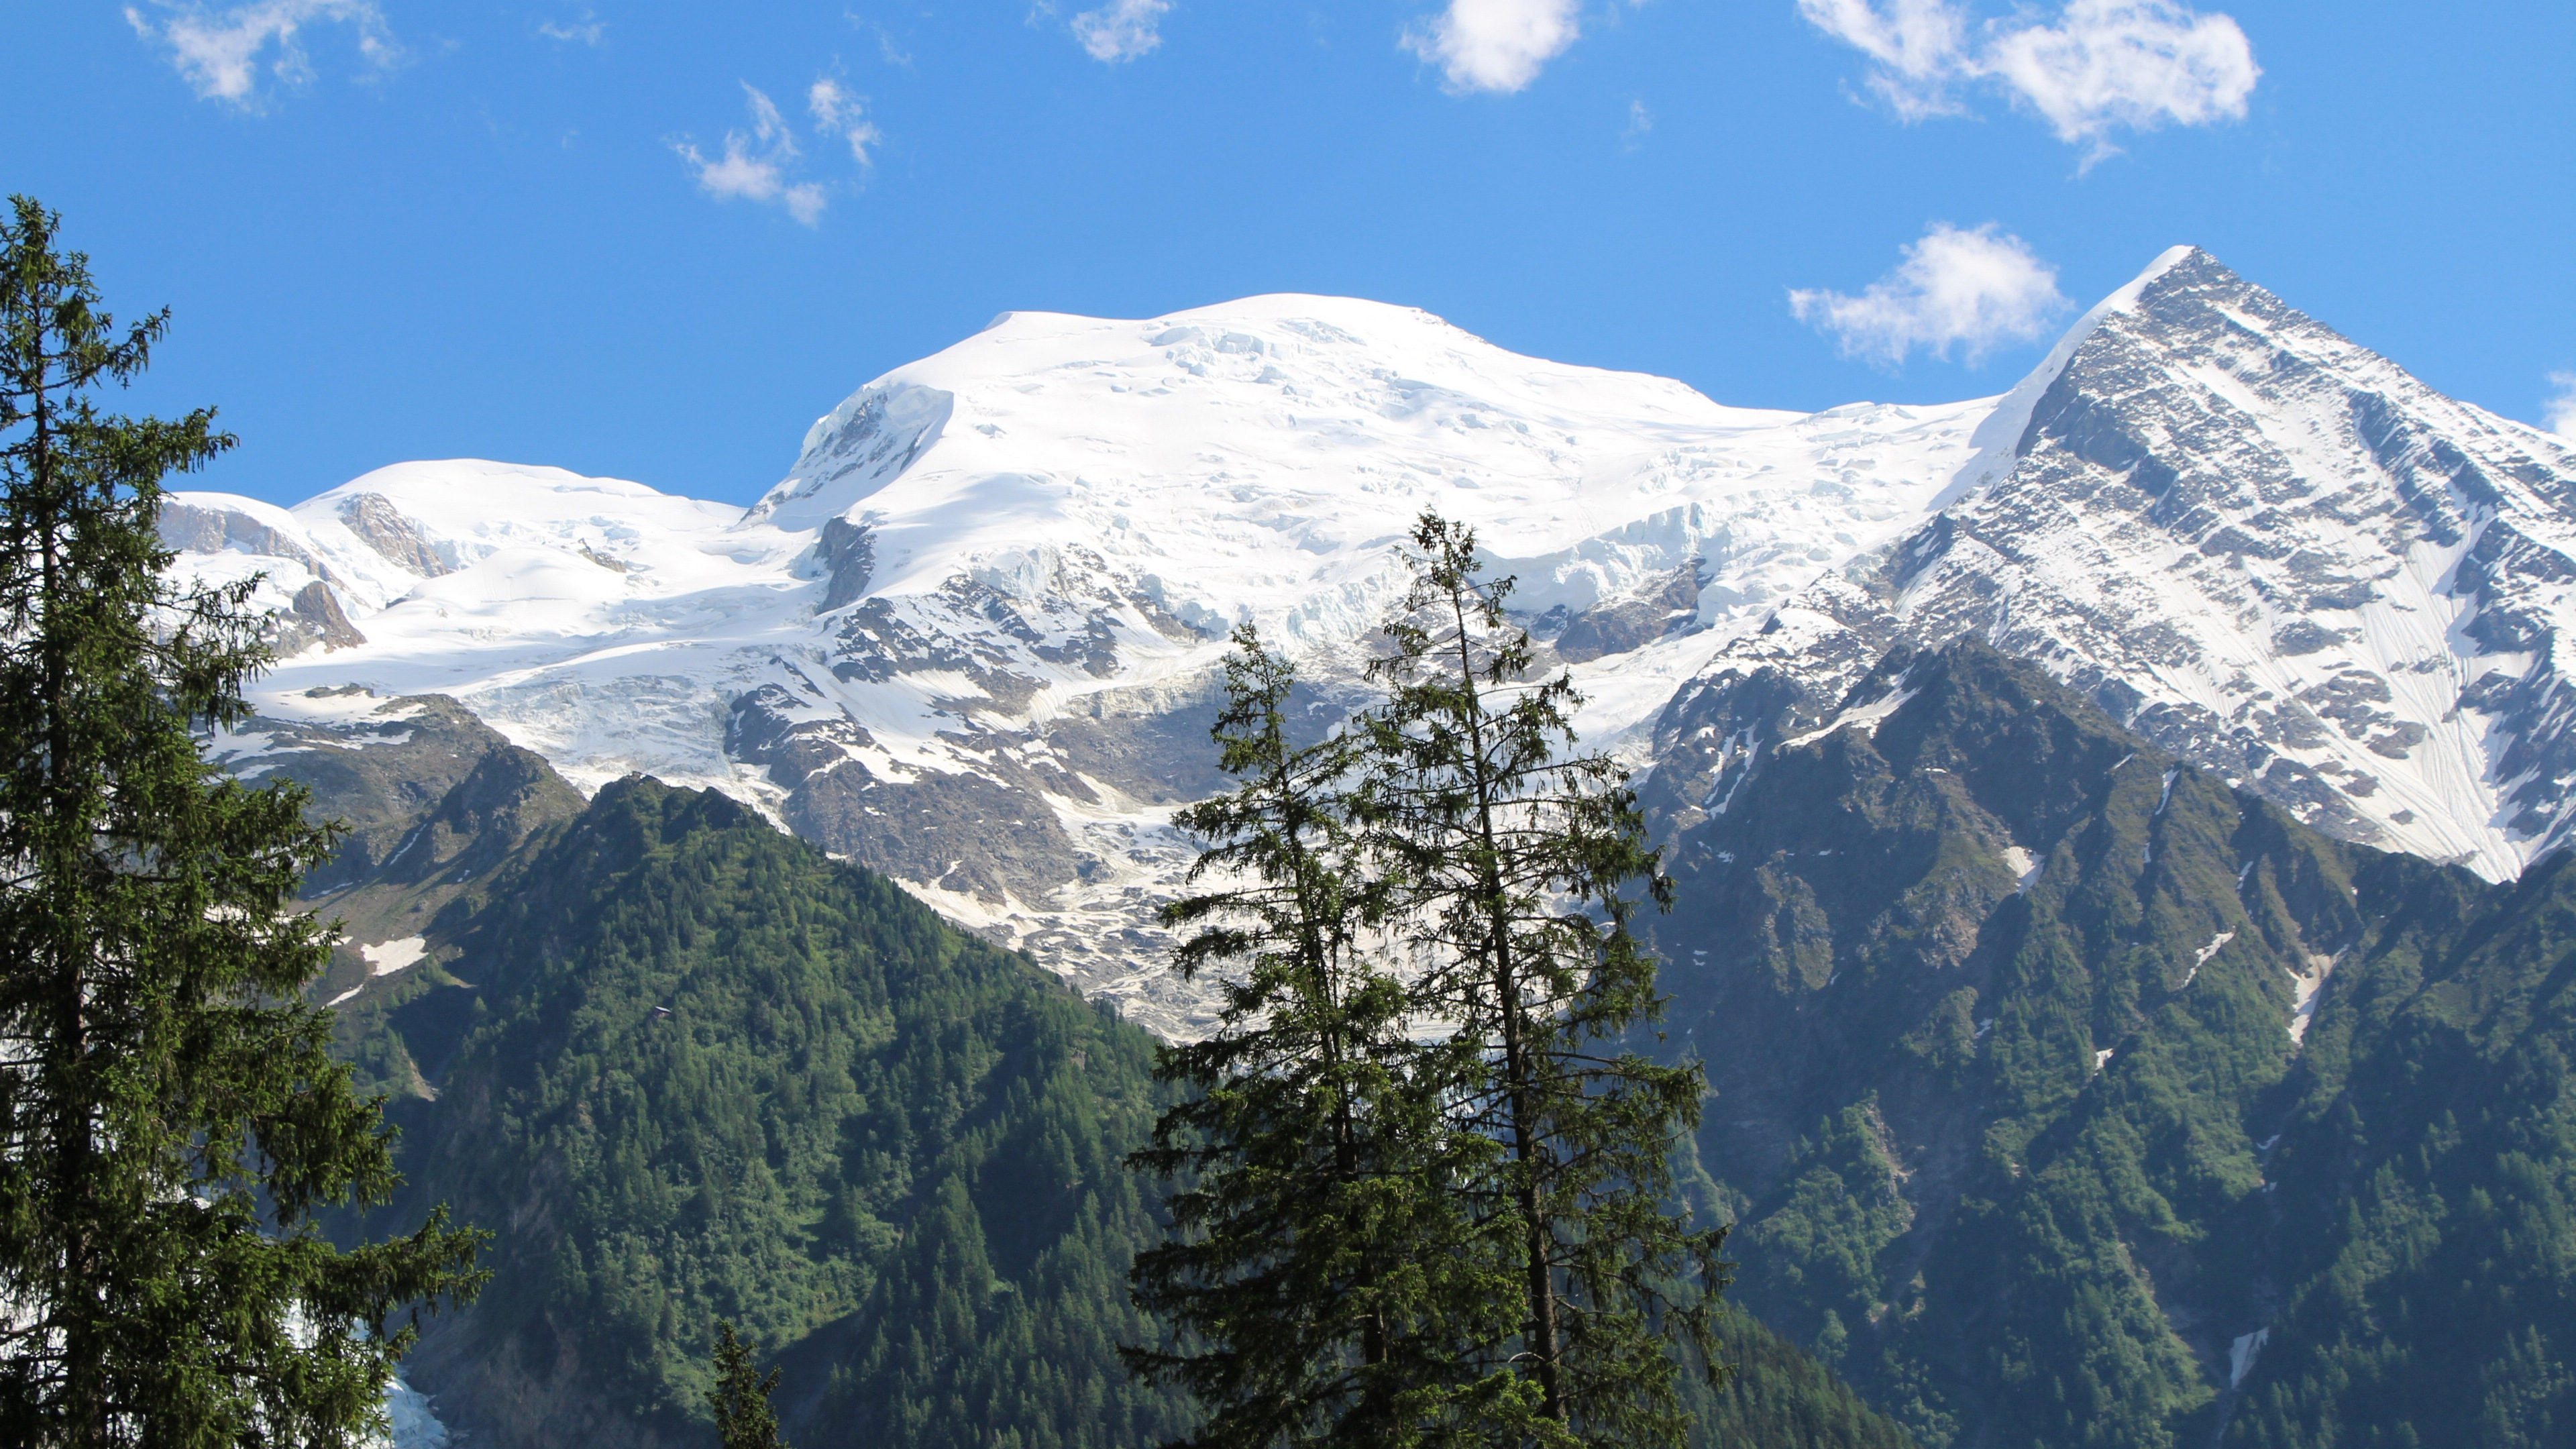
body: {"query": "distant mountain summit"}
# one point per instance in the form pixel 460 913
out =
pixel 971 639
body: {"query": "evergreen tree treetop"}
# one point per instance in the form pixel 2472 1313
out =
pixel 169 1119
pixel 1516 864
pixel 1424 1184
pixel 1316 1274
pixel 740 1398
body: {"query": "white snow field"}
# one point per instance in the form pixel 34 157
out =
pixel 970 639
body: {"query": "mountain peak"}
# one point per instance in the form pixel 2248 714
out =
pixel 2261 545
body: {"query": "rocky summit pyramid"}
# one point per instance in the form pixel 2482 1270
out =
pixel 2259 544
pixel 971 640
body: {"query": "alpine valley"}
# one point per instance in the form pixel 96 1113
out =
pixel 2118 824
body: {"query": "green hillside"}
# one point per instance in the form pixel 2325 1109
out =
pixel 1999 1004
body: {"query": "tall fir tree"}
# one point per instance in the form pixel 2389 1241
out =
pixel 740 1398
pixel 169 1119
pixel 1517 865
pixel 1317 1270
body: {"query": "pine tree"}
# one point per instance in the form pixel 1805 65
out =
pixel 1517 870
pixel 741 1396
pixel 1316 1265
pixel 169 1120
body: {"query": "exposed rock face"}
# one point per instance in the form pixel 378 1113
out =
pixel 432 800
pixel 1617 628
pixel 379 767
pixel 382 527
pixel 194 529
pixel 315 618
pixel 848 554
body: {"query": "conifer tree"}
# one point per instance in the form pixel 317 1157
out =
pixel 169 1119
pixel 1516 868
pixel 1316 1273
pixel 741 1396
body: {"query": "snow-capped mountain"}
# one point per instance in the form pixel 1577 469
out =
pixel 970 640
pixel 2254 541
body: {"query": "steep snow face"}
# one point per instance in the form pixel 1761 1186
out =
pixel 971 640
pixel 2260 544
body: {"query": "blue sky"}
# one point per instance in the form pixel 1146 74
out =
pixel 635 239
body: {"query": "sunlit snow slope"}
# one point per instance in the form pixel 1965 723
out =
pixel 970 639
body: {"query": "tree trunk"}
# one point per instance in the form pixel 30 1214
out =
pixel 1539 1271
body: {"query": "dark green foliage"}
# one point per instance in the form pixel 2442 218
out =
pixel 883 1145
pixel 2033 1156
pixel 169 1117
pixel 1512 865
pixel 1778 1398
pixel 1321 1251
pixel 740 1397
pixel 2434 1149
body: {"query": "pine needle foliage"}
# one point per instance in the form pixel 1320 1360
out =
pixel 1317 1265
pixel 740 1398
pixel 1517 865
pixel 169 1120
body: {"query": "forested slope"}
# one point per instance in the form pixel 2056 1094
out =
pixel 2067 1096
pixel 706 1072
pixel 685 1067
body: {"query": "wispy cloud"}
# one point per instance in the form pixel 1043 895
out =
pixel 839 113
pixel 2096 68
pixel 1918 49
pixel 588 30
pixel 220 53
pixel 1973 290
pixel 1640 121
pixel 754 165
pixel 1495 45
pixel 2559 412
pixel 1121 29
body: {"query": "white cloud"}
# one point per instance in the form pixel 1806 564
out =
pixel 588 30
pixel 221 53
pixel 2138 64
pixel 838 113
pixel 1495 45
pixel 754 166
pixel 2560 411
pixel 2098 67
pixel 1969 289
pixel 1121 29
